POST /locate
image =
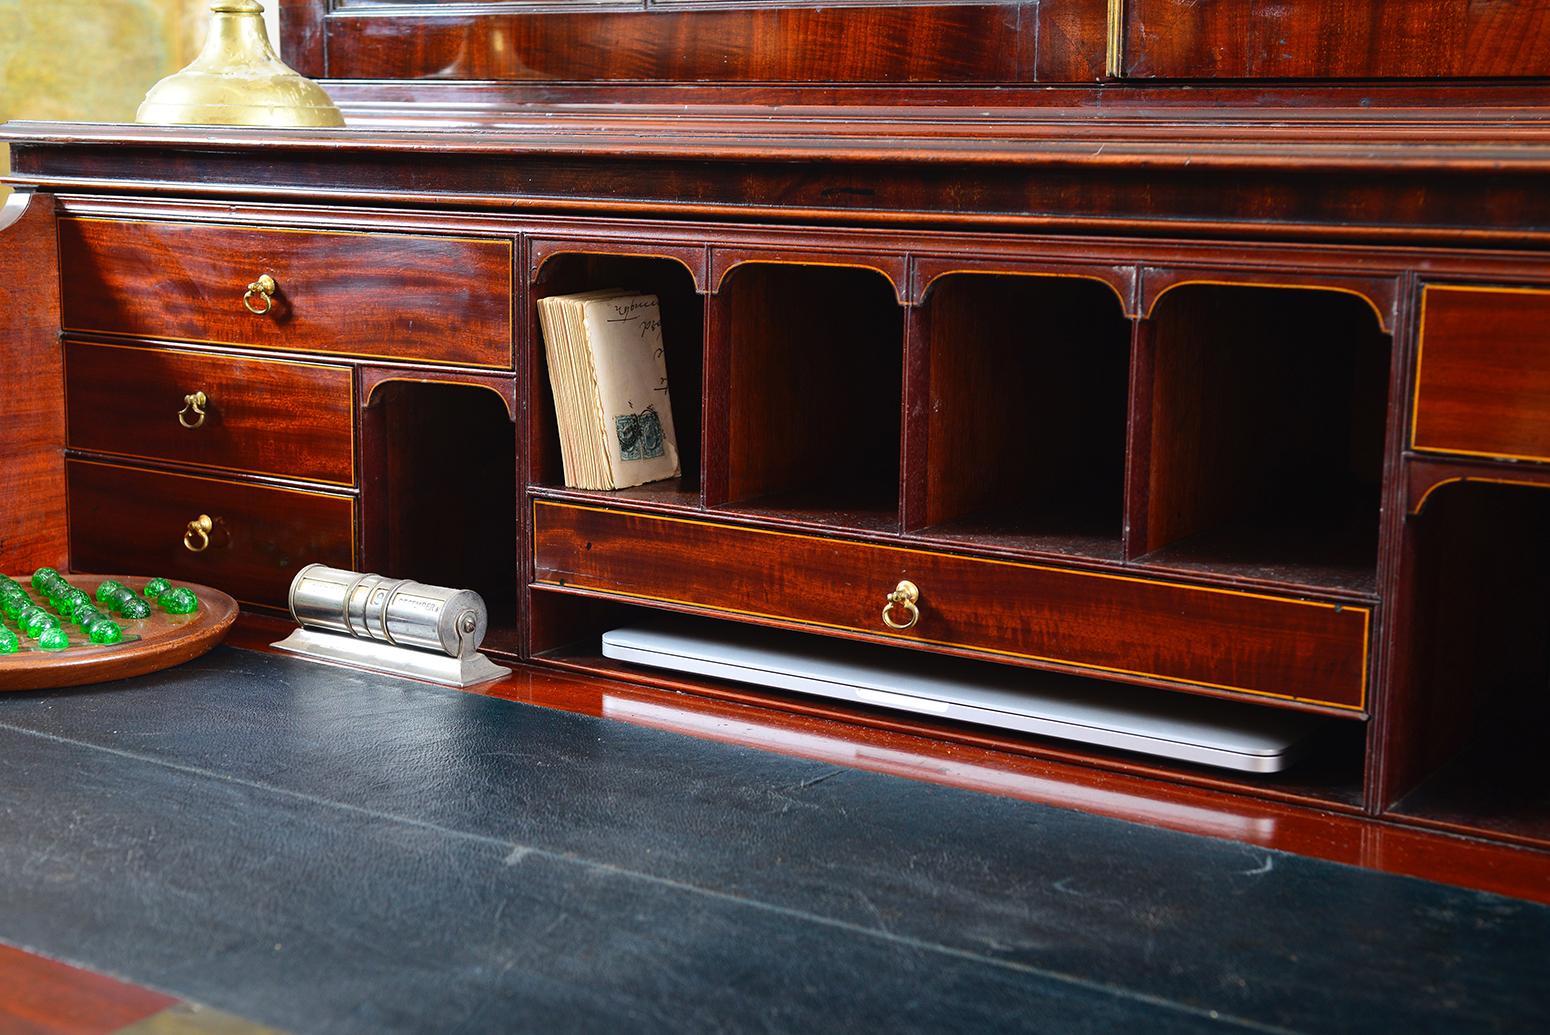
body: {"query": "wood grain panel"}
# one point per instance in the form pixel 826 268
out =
pixel 270 417
pixel 1072 41
pixel 1337 39
pixel 398 296
pixel 129 520
pixel 301 36
pixel 1483 372
pixel 1114 626
pixel 951 43
pixel 32 520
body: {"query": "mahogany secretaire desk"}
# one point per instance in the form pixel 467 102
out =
pixel 1199 346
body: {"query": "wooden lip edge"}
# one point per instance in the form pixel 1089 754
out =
pixel 1423 234
pixel 1295 155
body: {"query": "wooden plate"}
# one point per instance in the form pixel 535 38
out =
pixel 164 640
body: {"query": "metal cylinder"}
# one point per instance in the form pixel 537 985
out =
pixel 396 611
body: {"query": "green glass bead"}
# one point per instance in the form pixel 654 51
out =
pixel 105 590
pixel 54 639
pixel 134 608
pixel 121 596
pixel 9 644
pixel 38 621
pixel 84 615
pixel 39 575
pixel 14 606
pixel 179 601
pixel 155 588
pixel 73 599
pixel 105 630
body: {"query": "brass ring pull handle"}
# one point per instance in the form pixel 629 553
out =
pixel 193 403
pixel 904 596
pixel 262 288
pixel 199 529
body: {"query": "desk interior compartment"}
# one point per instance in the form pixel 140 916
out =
pixel 814 356
pixel 440 494
pixel 567 632
pixel 683 335
pixel 1267 410
pixel 1481 659
pixel 1029 381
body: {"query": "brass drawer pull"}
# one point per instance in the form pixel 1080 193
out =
pixel 200 527
pixel 262 288
pixel 193 403
pixel 904 596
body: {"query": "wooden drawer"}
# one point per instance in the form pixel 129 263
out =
pixel 133 521
pixel 1139 629
pixel 394 296
pixel 260 416
pixel 1483 372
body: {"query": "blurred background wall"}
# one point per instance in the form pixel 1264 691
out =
pixel 93 60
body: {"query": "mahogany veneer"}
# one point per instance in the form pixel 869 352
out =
pixel 124 519
pixel 1147 630
pixel 351 293
pixel 1483 372
pixel 261 416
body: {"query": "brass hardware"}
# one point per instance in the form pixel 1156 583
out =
pixel 904 595
pixel 1114 50
pixel 264 287
pixel 237 80
pixel 201 526
pixel 193 402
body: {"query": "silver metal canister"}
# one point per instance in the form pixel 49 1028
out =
pixel 395 611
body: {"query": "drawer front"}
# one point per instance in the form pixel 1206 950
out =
pixel 394 296
pixel 260 416
pixel 1112 625
pixel 134 522
pixel 1483 373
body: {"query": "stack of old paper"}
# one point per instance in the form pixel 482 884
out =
pixel 609 377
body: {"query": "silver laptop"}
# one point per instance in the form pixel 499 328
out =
pixel 1227 734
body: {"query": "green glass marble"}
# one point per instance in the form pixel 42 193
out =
pixel 9 644
pixel 105 590
pixel 84 615
pixel 105 630
pixel 53 639
pixel 66 602
pixel 155 588
pixel 179 601
pixel 37 621
pixel 54 588
pixel 40 574
pixel 135 609
pixel 122 598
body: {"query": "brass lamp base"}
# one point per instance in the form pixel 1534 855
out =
pixel 237 80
